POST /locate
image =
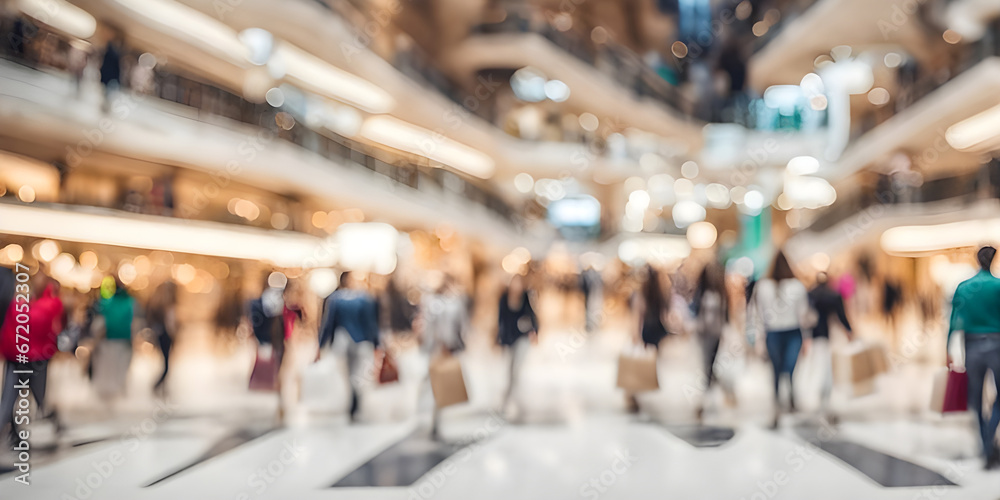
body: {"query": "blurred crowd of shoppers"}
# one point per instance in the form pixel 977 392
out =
pixel 779 314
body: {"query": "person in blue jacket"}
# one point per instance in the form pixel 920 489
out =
pixel 352 309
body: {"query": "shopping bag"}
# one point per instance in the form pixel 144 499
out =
pixel 858 365
pixel 447 381
pixel 878 358
pixel 264 376
pixel 956 392
pixel 950 391
pixel 322 386
pixel 388 372
pixel 637 371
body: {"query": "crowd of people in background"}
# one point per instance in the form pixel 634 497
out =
pixel 778 311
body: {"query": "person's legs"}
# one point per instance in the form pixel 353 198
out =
pixel 709 348
pixel 165 344
pixel 775 350
pixel 39 381
pixel 8 397
pixel 793 344
pixel 989 434
pixel 977 356
pixel 824 356
pixel 353 377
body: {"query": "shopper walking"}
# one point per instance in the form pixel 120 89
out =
pixel 976 313
pixel 651 307
pixel 113 354
pixel 352 309
pixel 161 317
pixel 711 309
pixel 518 325
pixel 444 323
pixel 592 285
pixel 45 320
pixel 780 306
pixel 827 303
pixel 444 317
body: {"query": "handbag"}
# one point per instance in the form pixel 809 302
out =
pixel 388 371
pixel 264 376
pixel 956 392
pixel 950 392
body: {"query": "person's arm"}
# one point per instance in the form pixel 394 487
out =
pixel 957 321
pixel 533 334
pixel 503 297
pixel 534 317
pixel 327 328
pixel 373 328
pixel 802 309
pixel 465 318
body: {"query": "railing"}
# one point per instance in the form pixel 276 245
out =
pixel 327 144
pixel 216 101
pixel 614 61
pixel 963 189
pixel 915 83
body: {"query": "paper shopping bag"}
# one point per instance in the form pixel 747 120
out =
pixel 637 372
pixel 447 381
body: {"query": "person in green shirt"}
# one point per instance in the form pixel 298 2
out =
pixel 113 354
pixel 976 313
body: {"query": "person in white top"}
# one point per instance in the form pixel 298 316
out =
pixel 780 307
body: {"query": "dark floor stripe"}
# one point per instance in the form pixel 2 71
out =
pixel 227 443
pixel 402 464
pixel 702 436
pixel 886 470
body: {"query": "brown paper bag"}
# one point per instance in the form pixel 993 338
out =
pixel 879 358
pixel 858 365
pixel 637 372
pixel 447 382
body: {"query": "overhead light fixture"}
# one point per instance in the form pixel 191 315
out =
pixel 260 44
pixel 404 136
pixel 702 235
pixel 653 250
pixel 852 76
pixel 529 84
pixel 319 76
pixel 61 15
pixel 979 130
pixel 211 34
pixel 909 240
pixel 110 227
pixel 803 165
pixel 556 90
pixel 367 246
pixel 808 192
pixel 687 212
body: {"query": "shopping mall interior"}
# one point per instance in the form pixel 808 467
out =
pixel 453 249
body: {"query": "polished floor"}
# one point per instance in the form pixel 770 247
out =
pixel 566 436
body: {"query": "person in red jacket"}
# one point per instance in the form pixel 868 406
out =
pixel 44 314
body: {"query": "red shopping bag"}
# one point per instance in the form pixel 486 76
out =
pixel 265 372
pixel 387 372
pixel 956 393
